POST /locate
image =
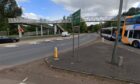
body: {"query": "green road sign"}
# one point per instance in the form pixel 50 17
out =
pixel 76 17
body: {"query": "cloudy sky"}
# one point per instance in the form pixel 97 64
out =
pixel 56 9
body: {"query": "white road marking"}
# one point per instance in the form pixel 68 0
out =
pixel 34 42
pixel 47 40
pixel 10 45
pixel 131 50
pixel 59 39
pixel 76 36
pixel 23 81
pixel 67 37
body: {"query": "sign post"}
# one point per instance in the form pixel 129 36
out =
pixel 76 19
pixel 20 31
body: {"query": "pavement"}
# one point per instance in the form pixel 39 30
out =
pixel 94 59
pixel 121 45
pixel 38 72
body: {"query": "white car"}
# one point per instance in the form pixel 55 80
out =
pixel 65 34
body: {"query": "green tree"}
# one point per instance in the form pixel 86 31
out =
pixel 8 9
pixel 132 11
pixel 83 27
pixel 97 27
pixel 68 26
pixel 110 24
pixel 90 28
pixel 29 28
pixel 94 28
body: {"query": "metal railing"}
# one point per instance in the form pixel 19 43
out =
pixel 86 19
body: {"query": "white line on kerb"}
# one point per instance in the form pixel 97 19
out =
pixel 23 81
pixel 12 45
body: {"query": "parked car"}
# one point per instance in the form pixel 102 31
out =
pixel 65 34
pixel 5 39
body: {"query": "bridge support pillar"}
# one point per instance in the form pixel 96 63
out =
pixel 55 29
pixel 59 31
pixel 36 31
pixel 41 30
pixel 48 31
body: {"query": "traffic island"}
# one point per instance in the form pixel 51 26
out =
pixel 95 59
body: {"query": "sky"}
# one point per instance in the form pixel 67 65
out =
pixel 42 9
pixel 56 9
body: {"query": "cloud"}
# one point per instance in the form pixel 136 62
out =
pixel 22 0
pixel 96 7
pixel 31 16
pixel 92 23
pixel 137 4
pixel 37 17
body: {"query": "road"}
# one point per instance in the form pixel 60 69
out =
pixel 11 55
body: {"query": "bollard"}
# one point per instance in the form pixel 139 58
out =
pixel 56 53
pixel 120 61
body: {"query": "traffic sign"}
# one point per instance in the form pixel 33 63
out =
pixel 76 17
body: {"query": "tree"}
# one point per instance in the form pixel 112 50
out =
pixel 94 28
pixel 8 9
pixel 68 26
pixel 90 28
pixel 83 27
pixel 132 11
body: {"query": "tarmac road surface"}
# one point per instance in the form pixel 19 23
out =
pixel 11 55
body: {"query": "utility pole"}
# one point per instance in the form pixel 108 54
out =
pixel 115 58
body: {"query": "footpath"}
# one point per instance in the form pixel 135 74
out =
pixel 94 59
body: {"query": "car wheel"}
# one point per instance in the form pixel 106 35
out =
pixel 136 44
